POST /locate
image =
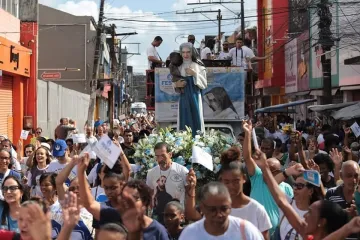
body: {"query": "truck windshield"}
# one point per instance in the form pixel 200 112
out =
pixel 138 110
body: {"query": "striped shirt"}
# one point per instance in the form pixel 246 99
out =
pixel 336 195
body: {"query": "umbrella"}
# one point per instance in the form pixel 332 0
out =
pixel 347 113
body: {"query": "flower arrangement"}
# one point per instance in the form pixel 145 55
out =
pixel 181 143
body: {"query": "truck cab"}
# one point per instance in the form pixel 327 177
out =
pixel 138 108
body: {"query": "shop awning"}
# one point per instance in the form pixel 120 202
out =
pixel 320 92
pixel 329 107
pixel 352 61
pixel 350 88
pixel 280 107
pixel 347 113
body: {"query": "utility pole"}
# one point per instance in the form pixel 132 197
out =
pixel 120 69
pixel 327 42
pixel 114 72
pixel 219 18
pixel 242 20
pixel 96 66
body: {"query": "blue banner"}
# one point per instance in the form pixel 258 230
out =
pixel 223 99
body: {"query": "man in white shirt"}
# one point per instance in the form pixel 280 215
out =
pixel 225 54
pixel 242 55
pixel 152 54
pixel 167 180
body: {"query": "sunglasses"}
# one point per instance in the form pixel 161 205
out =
pixel 300 186
pixel 38 132
pixel 11 188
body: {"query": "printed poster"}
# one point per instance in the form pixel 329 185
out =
pixel 223 99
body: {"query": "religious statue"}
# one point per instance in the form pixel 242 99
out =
pixel 191 79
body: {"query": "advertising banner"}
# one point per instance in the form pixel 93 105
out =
pixel 303 60
pixel 223 99
pixel 269 32
pixel 291 67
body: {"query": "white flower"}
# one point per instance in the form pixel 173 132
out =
pixel 217 160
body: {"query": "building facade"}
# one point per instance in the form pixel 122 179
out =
pixel 15 73
pixel 272 35
pixel 65 65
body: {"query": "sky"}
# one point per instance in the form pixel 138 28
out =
pixel 172 33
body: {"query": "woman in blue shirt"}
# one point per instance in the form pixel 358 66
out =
pixel 13 193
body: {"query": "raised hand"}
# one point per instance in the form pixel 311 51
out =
pixel 336 157
pixel 70 210
pixel 354 225
pixel 347 150
pixel 312 165
pixel 191 178
pixel 260 159
pixel 351 211
pixel 295 170
pixel 83 162
pixel 247 126
pixel 20 146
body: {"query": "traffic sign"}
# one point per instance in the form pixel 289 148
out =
pixel 50 75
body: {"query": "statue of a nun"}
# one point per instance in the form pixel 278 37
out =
pixel 193 80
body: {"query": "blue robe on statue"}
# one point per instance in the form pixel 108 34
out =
pixel 190 112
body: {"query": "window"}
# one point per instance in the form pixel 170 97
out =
pixel 8 5
pixel 3 4
pixel 11 6
pixel 14 10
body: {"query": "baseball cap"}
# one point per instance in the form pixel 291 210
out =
pixel 60 147
pixel 45 145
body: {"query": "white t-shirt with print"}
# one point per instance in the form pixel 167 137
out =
pixel 224 55
pixel 82 230
pixel 196 231
pixel 255 213
pixel 239 61
pixel 285 226
pixel 99 194
pixel 151 52
pixel 56 167
pixel 168 184
pixel 93 175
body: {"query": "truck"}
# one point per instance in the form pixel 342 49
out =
pixel 223 99
pixel 138 108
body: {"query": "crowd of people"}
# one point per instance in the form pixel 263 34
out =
pixel 52 189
